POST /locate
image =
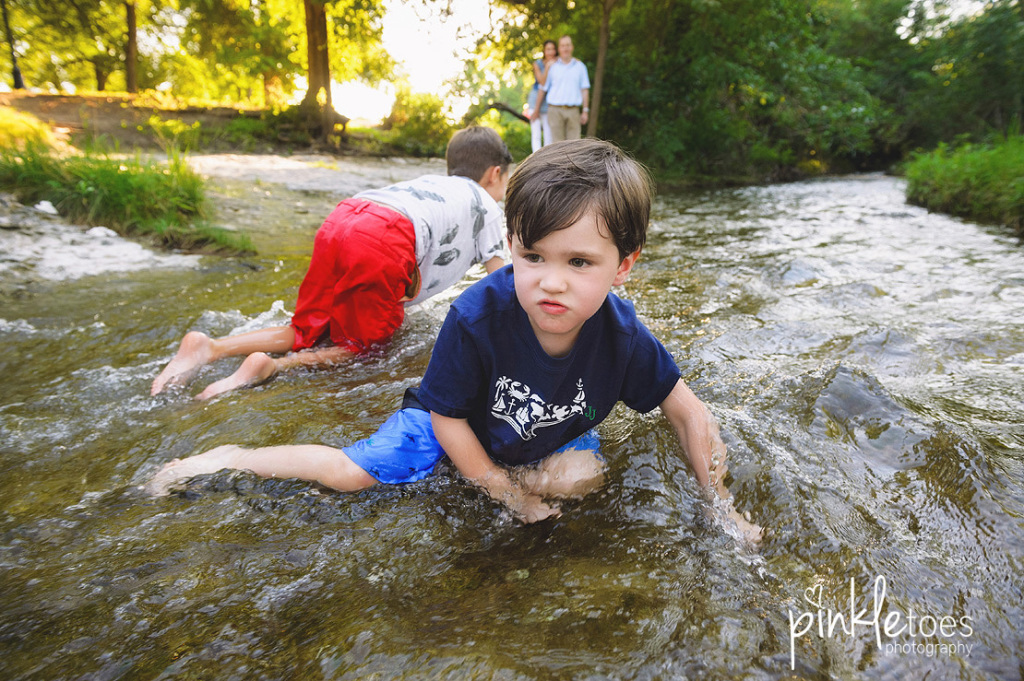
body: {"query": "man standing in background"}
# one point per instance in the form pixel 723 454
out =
pixel 567 90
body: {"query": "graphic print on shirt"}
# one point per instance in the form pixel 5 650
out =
pixel 421 194
pixel 526 411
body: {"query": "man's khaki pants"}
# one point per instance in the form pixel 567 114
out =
pixel 564 122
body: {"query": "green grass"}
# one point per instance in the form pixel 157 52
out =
pixel 163 202
pixel 982 183
pixel 18 129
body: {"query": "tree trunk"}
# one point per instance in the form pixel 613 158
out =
pixel 19 84
pixel 101 76
pixel 131 55
pixel 602 54
pixel 317 55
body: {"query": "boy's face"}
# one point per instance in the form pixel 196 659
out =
pixel 564 279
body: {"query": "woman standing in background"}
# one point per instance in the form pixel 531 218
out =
pixel 540 76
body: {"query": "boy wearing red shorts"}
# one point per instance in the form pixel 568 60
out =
pixel 375 253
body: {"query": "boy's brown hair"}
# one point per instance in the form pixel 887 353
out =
pixel 471 151
pixel 558 184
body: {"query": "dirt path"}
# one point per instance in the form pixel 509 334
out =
pixel 112 117
pixel 116 118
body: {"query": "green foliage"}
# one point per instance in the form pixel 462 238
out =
pixel 936 79
pixel 419 124
pixel 487 81
pixel 131 196
pixel 750 89
pixel 984 183
pixel 726 88
pixel 19 129
pixel 80 43
pixel 172 133
pixel 514 132
pixel 768 89
pixel 251 52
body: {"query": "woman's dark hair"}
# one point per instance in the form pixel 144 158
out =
pixel 558 184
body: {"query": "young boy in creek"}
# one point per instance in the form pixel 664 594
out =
pixel 529 360
pixel 370 258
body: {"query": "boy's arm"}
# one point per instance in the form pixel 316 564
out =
pixel 494 264
pixel 461 445
pixel 698 434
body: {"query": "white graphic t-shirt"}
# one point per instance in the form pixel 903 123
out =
pixel 457 224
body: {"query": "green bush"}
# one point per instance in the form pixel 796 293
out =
pixel 131 196
pixel 173 133
pixel 418 125
pixel 984 183
pixel 245 131
pixel 18 129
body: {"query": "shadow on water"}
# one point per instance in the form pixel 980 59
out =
pixel 865 360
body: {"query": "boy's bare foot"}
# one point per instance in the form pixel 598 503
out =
pixel 179 471
pixel 195 350
pixel 256 368
pixel 751 532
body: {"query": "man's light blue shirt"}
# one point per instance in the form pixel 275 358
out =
pixel 565 82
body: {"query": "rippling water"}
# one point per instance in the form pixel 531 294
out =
pixel 865 359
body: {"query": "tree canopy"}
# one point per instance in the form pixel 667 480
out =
pixel 704 87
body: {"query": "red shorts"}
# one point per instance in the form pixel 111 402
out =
pixel 364 258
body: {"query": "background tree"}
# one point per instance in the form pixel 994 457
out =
pixel 131 56
pixel 17 81
pixel 603 38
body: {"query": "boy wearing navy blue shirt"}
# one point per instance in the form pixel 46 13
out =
pixel 529 360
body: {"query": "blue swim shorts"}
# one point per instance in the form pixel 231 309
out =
pixel 404 448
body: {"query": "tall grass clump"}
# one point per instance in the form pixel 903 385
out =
pixel 19 129
pixel 164 202
pixel 983 183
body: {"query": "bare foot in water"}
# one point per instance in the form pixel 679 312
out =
pixel 195 350
pixel 257 368
pixel 179 471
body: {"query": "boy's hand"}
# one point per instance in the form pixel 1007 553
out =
pixel 530 508
pixel 468 455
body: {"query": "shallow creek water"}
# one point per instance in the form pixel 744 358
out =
pixel 866 362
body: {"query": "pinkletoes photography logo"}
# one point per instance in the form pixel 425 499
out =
pixel 896 632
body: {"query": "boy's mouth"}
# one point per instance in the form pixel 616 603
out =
pixel 552 307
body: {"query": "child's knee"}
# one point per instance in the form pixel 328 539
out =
pixel 571 474
pixel 346 476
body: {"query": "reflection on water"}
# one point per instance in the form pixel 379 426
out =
pixel 865 358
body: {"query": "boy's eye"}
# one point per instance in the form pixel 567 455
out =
pixel 578 262
pixel 531 257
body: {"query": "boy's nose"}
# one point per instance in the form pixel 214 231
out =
pixel 553 281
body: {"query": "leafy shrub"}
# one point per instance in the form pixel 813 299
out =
pixel 980 182
pixel 131 196
pixel 172 133
pixel 18 129
pixel 418 125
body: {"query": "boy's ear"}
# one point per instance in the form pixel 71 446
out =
pixel 625 267
pixel 490 177
pixel 494 182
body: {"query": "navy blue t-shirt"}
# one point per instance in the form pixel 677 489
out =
pixel 488 367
